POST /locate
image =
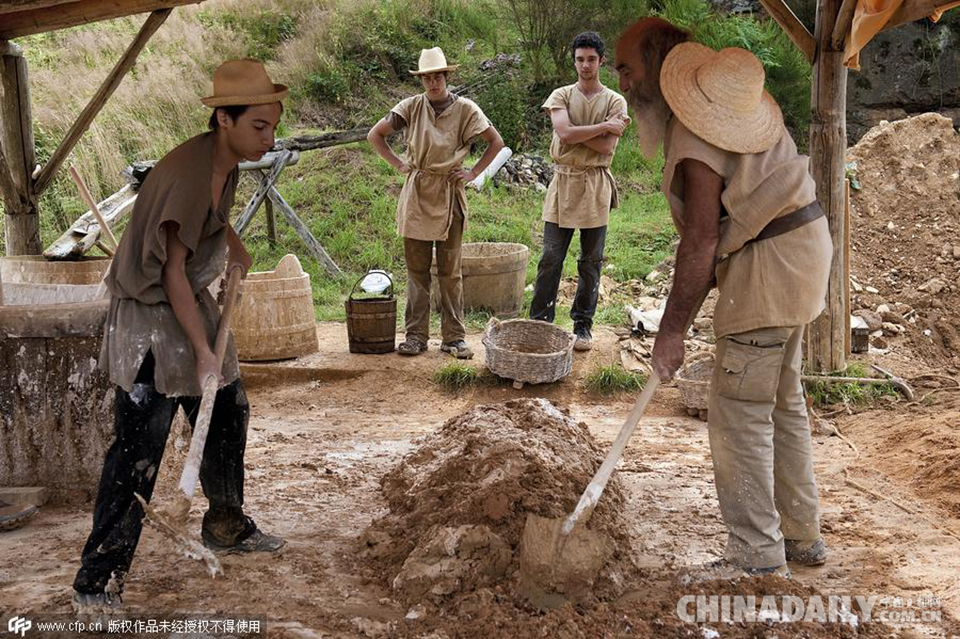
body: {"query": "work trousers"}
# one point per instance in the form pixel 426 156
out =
pixel 419 257
pixel 556 241
pixel 761 446
pixel 142 423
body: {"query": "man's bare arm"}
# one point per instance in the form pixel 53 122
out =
pixel 696 260
pixel 377 137
pixel 570 134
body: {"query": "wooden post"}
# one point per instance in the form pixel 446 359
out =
pixel 271 223
pixel 110 84
pixel 828 142
pixel 313 245
pixel 846 266
pixel 22 221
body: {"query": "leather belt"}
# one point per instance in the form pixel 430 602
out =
pixel 790 222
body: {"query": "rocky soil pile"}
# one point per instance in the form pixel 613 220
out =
pixel 905 236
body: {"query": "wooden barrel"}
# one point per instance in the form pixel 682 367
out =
pixel 372 322
pixel 494 275
pixel 56 405
pixel 36 269
pixel 275 318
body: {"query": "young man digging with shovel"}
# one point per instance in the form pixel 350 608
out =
pixel 158 338
pixel 432 211
pixel 588 120
pixel 745 205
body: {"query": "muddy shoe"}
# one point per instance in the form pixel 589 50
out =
pixel 806 553
pixel 726 571
pixel 14 516
pixel 258 541
pixel 584 338
pixel 98 607
pixel 411 346
pixel 458 349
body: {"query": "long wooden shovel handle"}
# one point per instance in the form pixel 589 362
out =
pixel 588 501
pixel 85 194
pixel 191 468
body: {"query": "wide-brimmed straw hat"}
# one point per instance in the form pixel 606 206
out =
pixel 243 82
pixel 433 61
pixel 719 96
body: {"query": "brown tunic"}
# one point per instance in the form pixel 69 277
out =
pixel 781 281
pixel 140 318
pixel 436 147
pixel 582 190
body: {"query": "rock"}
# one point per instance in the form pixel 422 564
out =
pixel 933 286
pixel 872 290
pixel 879 342
pixel 891 226
pixel 371 628
pixel 874 320
pixel 891 329
pixel 893 317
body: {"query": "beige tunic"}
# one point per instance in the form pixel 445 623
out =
pixel 582 190
pixel 140 318
pixel 781 281
pixel 436 147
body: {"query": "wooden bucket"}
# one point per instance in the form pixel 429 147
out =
pixel 36 269
pixel 372 322
pixel 275 318
pixel 494 274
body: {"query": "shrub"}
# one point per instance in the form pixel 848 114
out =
pixel 613 378
pixel 455 376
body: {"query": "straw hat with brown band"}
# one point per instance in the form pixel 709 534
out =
pixel 433 61
pixel 243 82
pixel 719 96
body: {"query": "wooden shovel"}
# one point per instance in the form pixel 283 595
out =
pixel 172 522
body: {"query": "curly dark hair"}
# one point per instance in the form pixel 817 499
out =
pixel 587 40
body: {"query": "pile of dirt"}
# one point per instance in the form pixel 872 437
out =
pixel 905 235
pixel 458 504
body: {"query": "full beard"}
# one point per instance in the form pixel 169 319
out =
pixel 651 114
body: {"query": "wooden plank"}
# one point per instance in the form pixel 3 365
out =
pixel 792 26
pixel 22 222
pixel 85 232
pixel 110 84
pixel 21 23
pixel 312 244
pixel 828 139
pixel 271 223
pixel 267 181
pixel 842 26
pixel 266 162
pixel 8 190
pixel 912 10
pixel 14 6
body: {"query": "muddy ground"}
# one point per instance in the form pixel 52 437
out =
pixel 326 428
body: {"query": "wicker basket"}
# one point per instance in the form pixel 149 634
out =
pixel 694 384
pixel 528 351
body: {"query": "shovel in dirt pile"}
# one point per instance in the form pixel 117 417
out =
pixel 172 521
pixel 559 558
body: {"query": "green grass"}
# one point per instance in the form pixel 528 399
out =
pixel 612 378
pixel 827 394
pixel 455 376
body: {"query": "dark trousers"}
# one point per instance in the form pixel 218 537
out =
pixel 556 241
pixel 142 423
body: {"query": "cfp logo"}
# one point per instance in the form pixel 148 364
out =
pixel 19 625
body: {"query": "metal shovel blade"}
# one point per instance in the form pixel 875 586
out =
pixel 557 568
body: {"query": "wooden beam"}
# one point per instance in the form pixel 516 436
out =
pixel 324 140
pixel 792 26
pixel 826 343
pixel 267 181
pixel 8 190
pixel 96 103
pixel 842 27
pixel 913 10
pixel 22 224
pixel 14 25
pixel 85 232
pixel 13 6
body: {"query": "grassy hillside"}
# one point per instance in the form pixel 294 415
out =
pixel 346 63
